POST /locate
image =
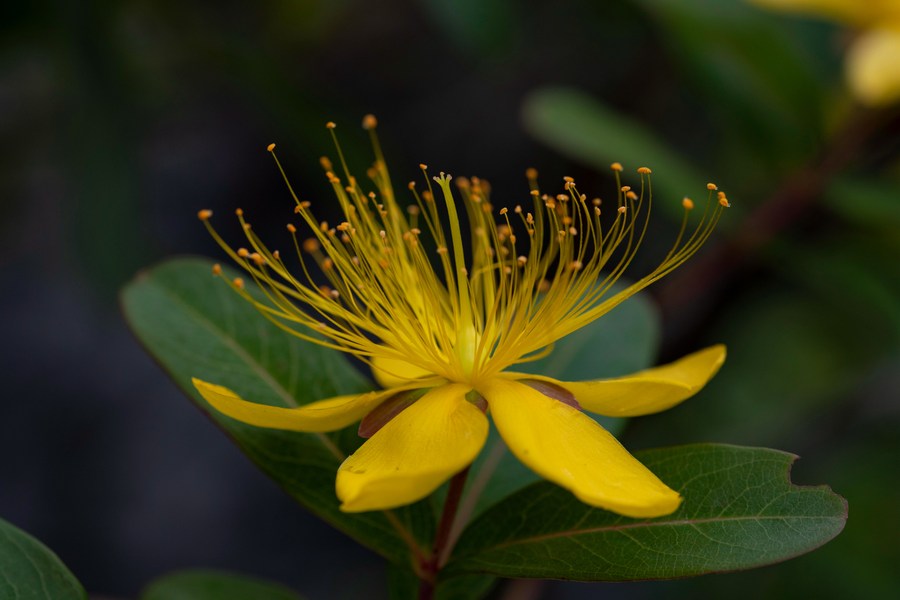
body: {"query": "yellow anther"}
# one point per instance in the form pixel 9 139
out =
pixel 239 212
pixel 522 260
pixel 411 184
pixel 625 188
pixel 247 227
pixel 291 228
pixel 442 250
pixel 531 173
pixel 330 125
pixel 568 179
pixel 596 201
pixel 723 202
pixel 423 166
pixel 597 210
pixel 687 203
pixel 217 269
pixel 270 147
pixel 310 245
pixel 518 209
pixel 413 209
pixel 616 166
pixel 276 255
pixel 575 265
pixel 543 285
pixel 503 211
pixel 369 122
pixel 204 214
pixel 711 186
pixel 243 252
pixel 258 259
pixel 326 163
pixel 622 210
pixel 238 283
pixel 644 170
pixel 323 226
pixel 535 193
pixel 327 264
pixel 573 231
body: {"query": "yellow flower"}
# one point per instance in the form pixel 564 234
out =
pixel 873 68
pixel 443 342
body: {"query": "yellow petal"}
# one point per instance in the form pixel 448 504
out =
pixel 419 449
pixel 324 415
pixel 391 372
pixel 873 66
pixel 562 444
pixel 645 392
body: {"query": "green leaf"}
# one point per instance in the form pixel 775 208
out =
pixel 740 511
pixel 29 570
pixel 195 326
pixel 403 584
pixel 197 584
pixel 575 124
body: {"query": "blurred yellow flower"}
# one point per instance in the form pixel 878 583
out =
pixel 873 60
pixel 441 342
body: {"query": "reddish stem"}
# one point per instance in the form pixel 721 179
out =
pixel 432 565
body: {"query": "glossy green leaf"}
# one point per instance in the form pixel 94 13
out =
pixel 29 570
pixel 583 128
pixel 214 585
pixel 740 511
pixel 195 326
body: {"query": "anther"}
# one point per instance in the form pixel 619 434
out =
pixel 325 162
pixel 217 269
pixel 503 211
pixel 258 259
pixel 622 210
pixel 568 179
pixel 238 283
pixel 531 173
pixel 239 212
pixel 687 203
pixel 327 264
pixel 644 170
pixel 330 125
pixel 411 185
pixel 310 245
pixel 616 166
pixel 631 195
pixel 423 166
pixel 291 228
pixel 711 186
pixel 369 122
pixel 625 188
pixel 270 147
pixel 518 209
pixel 276 255
pixel 243 252
pixel 204 214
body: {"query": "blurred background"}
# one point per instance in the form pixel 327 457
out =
pixel 120 120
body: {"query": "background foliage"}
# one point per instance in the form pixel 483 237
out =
pixel 121 119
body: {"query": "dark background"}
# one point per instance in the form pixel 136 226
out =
pixel 120 120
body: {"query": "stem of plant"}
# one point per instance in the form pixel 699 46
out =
pixel 440 551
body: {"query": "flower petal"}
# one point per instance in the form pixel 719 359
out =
pixel 419 449
pixel 324 415
pixel 645 392
pixel 562 444
pixel 873 69
pixel 391 372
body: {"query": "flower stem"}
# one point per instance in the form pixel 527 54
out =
pixel 440 551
